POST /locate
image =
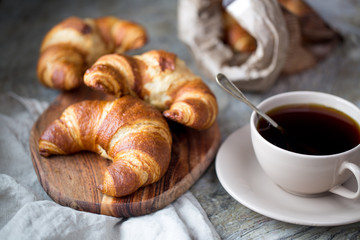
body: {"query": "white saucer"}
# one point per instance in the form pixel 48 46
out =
pixel 241 176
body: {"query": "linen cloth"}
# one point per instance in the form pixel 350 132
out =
pixel 26 211
pixel 199 24
pixel 286 43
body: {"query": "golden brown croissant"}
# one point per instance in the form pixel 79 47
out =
pixel 127 130
pixel 161 79
pixel 71 46
pixel 314 29
pixel 236 36
pixel 297 7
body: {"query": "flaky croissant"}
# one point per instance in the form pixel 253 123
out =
pixel 130 132
pixel 236 36
pixel 313 28
pixel 161 79
pixel 71 46
pixel 297 7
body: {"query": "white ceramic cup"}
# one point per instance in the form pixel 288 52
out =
pixel 302 174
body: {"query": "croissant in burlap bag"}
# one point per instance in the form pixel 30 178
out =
pixel 253 41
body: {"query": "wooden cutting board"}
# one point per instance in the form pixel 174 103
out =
pixel 71 180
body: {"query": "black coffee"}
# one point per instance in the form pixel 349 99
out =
pixel 311 129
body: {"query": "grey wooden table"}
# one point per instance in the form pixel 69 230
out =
pixel 23 24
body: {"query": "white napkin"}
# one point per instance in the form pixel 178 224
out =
pixel 26 212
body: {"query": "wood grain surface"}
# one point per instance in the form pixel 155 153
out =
pixel 71 180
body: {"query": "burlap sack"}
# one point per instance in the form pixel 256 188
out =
pixel 286 43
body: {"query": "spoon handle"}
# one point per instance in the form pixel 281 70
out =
pixel 228 86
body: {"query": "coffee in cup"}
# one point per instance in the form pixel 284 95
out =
pixel 310 129
pixel 319 148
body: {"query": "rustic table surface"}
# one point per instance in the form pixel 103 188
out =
pixel 23 24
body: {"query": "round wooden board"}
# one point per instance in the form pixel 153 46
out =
pixel 71 180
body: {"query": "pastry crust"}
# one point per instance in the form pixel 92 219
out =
pixel 236 36
pixel 71 46
pixel 130 132
pixel 161 79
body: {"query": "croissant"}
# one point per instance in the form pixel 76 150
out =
pixel 236 36
pixel 313 29
pixel 130 132
pixel 297 7
pixel 161 79
pixel 74 44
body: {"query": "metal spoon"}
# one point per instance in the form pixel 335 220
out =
pixel 291 142
pixel 228 86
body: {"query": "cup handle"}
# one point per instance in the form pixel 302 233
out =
pixel 343 191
